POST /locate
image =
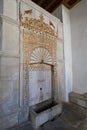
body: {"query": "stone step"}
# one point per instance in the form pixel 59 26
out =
pixel 79 99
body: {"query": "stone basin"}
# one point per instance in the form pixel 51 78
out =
pixel 43 112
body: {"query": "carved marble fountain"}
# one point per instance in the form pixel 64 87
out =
pixel 39 42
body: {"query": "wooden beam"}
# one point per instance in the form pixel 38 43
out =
pixel 69 4
pixel 49 5
pixel 40 2
pixel 54 6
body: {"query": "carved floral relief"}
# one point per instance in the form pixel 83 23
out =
pixel 39 46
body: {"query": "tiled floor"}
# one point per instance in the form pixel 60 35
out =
pixel 68 120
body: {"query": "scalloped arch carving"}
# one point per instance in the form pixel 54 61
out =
pixel 39 55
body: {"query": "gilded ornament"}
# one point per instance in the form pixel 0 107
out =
pixel 37 36
pixel 50 23
pixel 29 12
pixel 38 25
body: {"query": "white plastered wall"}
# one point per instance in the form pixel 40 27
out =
pixel 9 64
pixel 79 46
pixel 64 14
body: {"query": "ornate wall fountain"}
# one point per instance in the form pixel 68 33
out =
pixel 39 45
pixel 31 63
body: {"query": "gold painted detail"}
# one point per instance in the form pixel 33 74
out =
pixel 70 3
pixel 39 67
pixel 29 12
pixel 31 41
pixel 50 23
pixel 26 87
pixel 32 37
pixel 39 49
pixel 38 25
